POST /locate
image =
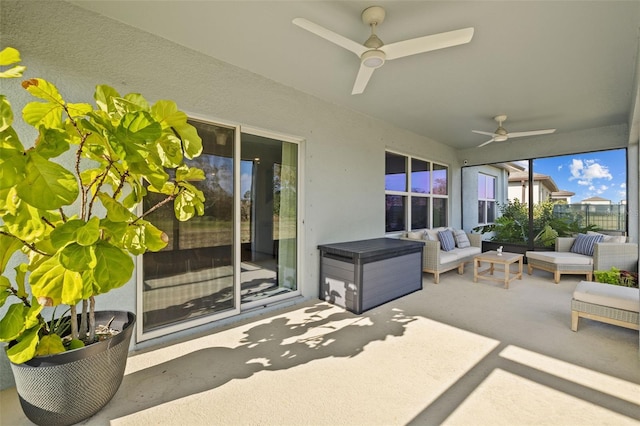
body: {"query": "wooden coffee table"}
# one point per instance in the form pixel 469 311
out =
pixel 492 258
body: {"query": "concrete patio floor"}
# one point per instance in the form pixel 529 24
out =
pixel 455 353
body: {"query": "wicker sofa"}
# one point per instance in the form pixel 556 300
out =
pixel 623 256
pixel 435 260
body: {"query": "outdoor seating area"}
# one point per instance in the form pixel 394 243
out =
pixel 564 260
pixel 440 362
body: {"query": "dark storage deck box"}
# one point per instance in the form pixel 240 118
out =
pixel 360 275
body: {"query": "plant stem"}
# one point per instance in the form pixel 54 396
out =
pixel 92 318
pixel 31 247
pixel 156 207
pixel 74 322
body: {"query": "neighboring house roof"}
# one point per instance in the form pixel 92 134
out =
pixel 562 194
pixel 545 180
pixel 595 199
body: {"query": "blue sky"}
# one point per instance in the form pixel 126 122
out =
pixel 596 174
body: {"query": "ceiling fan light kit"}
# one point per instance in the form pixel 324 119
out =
pixel 373 58
pixel 374 53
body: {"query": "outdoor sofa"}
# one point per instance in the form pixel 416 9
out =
pixel 435 260
pixel 612 251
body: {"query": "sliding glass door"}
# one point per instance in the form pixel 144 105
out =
pixel 242 251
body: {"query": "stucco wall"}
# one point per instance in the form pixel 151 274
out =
pixel 343 166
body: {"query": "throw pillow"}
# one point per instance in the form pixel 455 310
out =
pixel 584 244
pixel 415 235
pixel 461 238
pixel 609 238
pixel 447 243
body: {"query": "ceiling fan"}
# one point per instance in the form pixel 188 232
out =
pixel 501 134
pixel 373 53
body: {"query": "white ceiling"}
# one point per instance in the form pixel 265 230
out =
pixel 563 64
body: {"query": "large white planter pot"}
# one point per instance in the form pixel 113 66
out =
pixel 69 387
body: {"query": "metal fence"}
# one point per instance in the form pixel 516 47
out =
pixel 607 217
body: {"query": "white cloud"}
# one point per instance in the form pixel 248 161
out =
pixel 588 170
pixel 591 188
pixel 623 185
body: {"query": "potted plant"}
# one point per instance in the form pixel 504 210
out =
pixel 616 276
pixel 511 228
pixel 71 224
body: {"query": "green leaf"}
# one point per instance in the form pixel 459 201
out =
pixel 21 219
pixel 104 97
pixel 114 267
pixel 167 112
pixel 21 274
pixel 185 173
pixel 6 113
pixel 32 317
pixel 188 203
pixel 52 281
pixel 79 110
pixel 89 232
pixel 116 212
pixel 47 185
pixel 77 258
pixel 48 114
pixel 66 233
pixel 25 349
pixel 190 140
pixel 12 324
pixel 52 142
pixel 75 344
pixel 10 144
pixel 12 170
pixel 169 150
pixel 4 290
pixel 49 345
pixel 9 56
pixel 138 126
pixel 144 237
pixel 8 246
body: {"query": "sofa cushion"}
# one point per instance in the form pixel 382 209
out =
pixel 560 257
pixel 609 238
pixel 447 242
pixel 461 238
pixel 584 244
pixel 459 254
pixel 613 296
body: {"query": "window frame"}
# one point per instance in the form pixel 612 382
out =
pixel 486 200
pixel 409 195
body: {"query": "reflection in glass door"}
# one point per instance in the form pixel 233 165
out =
pixel 268 190
pixel 193 276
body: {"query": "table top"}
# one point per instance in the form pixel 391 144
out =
pixel 492 256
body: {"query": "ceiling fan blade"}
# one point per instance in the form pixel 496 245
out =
pixel 531 133
pixel 486 143
pixel 404 48
pixel 329 35
pixel 480 132
pixel 364 74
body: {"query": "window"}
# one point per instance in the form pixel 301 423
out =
pixel 486 199
pixel 416 193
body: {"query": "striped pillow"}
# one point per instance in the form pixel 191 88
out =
pixel 584 244
pixel 447 243
pixel 461 238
